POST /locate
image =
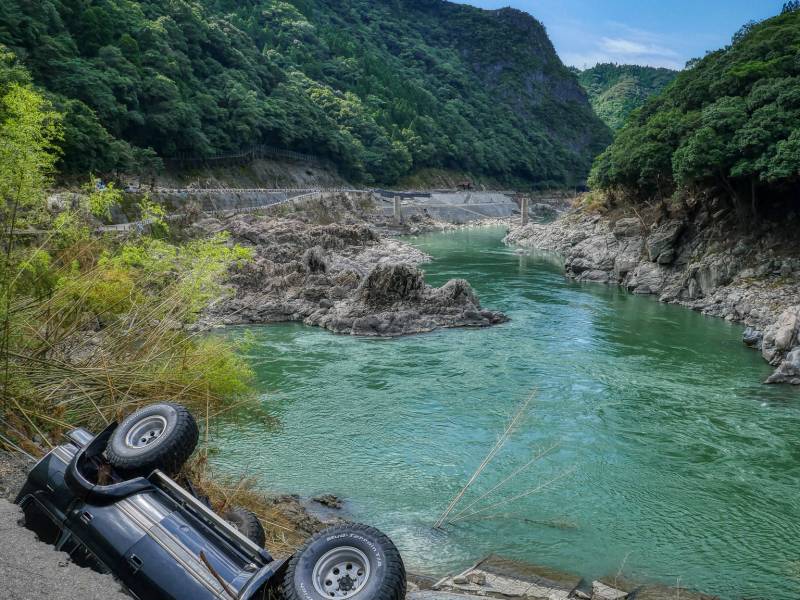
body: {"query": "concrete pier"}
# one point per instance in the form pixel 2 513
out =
pixel 398 211
pixel 523 209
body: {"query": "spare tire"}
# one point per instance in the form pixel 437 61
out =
pixel 248 525
pixel 159 436
pixel 349 561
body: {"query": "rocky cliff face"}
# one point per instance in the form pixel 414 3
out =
pixel 700 258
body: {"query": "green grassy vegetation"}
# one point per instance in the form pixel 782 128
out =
pixel 382 88
pixel 729 127
pixel 93 327
pixel 615 91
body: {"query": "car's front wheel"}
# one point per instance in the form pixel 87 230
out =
pixel 349 561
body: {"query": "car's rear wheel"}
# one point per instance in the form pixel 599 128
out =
pixel 159 436
pixel 248 525
pixel 345 562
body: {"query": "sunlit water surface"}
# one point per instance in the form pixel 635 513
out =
pixel 675 462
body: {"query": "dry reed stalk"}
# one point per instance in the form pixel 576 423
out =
pixel 283 533
pixel 530 492
pixel 486 461
pixel 514 473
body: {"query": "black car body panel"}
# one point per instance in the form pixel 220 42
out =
pixel 158 539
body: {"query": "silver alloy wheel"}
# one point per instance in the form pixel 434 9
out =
pixel 341 572
pixel 146 431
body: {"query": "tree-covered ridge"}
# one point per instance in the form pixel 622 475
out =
pixel 730 122
pixel 615 91
pixel 380 87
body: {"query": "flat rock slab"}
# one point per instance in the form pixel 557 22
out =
pixel 436 595
pixel 496 576
pixel 32 570
pixel 601 591
pixel 647 591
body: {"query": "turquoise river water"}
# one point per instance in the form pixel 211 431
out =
pixel 675 463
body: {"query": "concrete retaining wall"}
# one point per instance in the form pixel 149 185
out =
pixel 457 207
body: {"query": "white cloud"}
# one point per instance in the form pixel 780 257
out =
pixel 633 48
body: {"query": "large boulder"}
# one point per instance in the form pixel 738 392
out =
pixel 314 260
pixel 781 335
pixel 789 369
pixel 661 242
pixel 457 292
pixel 630 227
pixel 387 284
pixel 710 273
pixel 753 338
pixel 647 278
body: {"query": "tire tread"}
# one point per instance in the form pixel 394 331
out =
pixel 169 457
pixel 394 583
pixel 251 526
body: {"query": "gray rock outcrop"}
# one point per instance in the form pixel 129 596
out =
pixel 702 259
pixel 343 277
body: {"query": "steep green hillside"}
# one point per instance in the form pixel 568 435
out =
pixel 617 90
pixel 729 125
pixel 382 87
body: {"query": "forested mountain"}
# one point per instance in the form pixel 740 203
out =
pixel 617 90
pixel 730 123
pixel 381 87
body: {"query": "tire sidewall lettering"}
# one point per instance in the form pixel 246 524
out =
pixel 370 541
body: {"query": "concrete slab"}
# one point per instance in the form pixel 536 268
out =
pixel 440 595
pixel 499 577
pixel 601 591
pixel 651 591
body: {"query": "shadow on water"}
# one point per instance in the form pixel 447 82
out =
pixel 685 466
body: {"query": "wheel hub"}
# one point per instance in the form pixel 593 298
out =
pixel 341 572
pixel 146 431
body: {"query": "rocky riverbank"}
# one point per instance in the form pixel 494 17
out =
pixel 701 257
pixel 343 277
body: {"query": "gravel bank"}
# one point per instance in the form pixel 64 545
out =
pixel 13 472
pixel 31 570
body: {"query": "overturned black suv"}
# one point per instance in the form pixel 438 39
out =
pixel 110 503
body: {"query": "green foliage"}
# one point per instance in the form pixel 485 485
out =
pixel 191 272
pixel 154 214
pixel 730 123
pixel 615 91
pixel 91 328
pixel 382 88
pixel 100 200
pixel 28 132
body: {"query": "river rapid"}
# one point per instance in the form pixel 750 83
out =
pixel 673 462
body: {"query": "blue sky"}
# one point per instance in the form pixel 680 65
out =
pixel 663 33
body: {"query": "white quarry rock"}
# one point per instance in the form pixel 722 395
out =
pixel 601 591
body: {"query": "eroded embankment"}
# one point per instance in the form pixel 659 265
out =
pixel 342 277
pixel 30 568
pixel 702 258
